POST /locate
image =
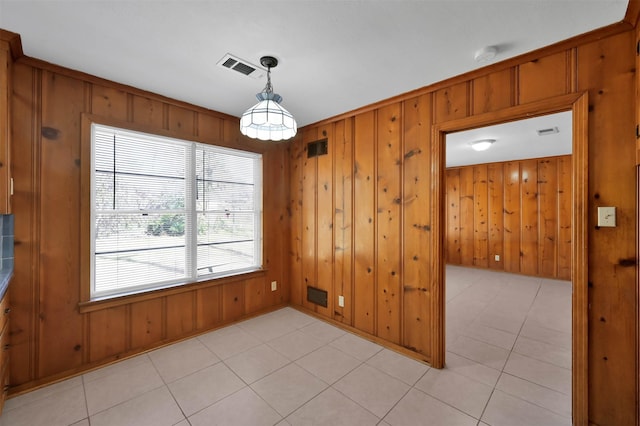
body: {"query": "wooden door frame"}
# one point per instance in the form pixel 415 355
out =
pixel 579 105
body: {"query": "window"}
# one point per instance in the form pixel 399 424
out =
pixel 167 212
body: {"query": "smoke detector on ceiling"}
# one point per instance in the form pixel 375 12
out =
pixel 234 63
pixel 486 54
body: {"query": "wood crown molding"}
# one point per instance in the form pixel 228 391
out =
pixel 633 13
pixel 14 42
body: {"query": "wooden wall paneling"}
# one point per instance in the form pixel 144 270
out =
pixel 181 314
pixel 325 213
pixel 548 217
pixel 493 92
pixel 343 219
pixel 232 301
pixel 107 333
pixel 453 217
pixel 6 88
pixel 389 221
pixel 529 218
pixel 148 112
pixel 309 218
pixel 182 120
pixel 452 102
pixel 467 203
pixel 109 102
pixel 255 290
pixel 496 215
pixel 210 128
pixel 512 217
pixel 564 217
pixel 146 323
pixel 276 224
pixel 60 331
pixel 208 307
pixel 416 226
pixel 296 153
pixel 480 216
pixel 25 169
pixel 612 252
pixel 364 223
pixel 545 77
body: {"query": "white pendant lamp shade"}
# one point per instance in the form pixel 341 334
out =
pixel 268 120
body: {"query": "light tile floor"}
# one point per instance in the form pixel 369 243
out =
pixel 509 363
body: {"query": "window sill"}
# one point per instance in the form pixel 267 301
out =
pixel 96 305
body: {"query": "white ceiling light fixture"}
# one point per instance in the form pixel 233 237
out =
pixel 482 144
pixel 268 120
pixel 486 54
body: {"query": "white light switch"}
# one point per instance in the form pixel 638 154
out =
pixel 606 216
pixel 341 301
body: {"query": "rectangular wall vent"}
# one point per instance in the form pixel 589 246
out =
pixel 549 131
pixel 234 63
pixel 314 149
pixel 317 296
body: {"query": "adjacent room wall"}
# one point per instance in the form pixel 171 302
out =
pixel 517 210
pixel 361 225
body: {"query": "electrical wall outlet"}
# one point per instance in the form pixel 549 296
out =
pixel 274 285
pixel 497 257
pixel 341 301
pixel 607 217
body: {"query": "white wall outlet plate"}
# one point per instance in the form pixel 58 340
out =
pixel 606 216
pixel 341 301
pixel 274 285
pixel 497 257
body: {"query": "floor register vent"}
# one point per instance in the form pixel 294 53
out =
pixel 317 296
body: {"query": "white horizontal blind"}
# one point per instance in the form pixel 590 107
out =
pixel 167 212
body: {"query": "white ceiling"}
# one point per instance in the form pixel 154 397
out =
pixel 516 140
pixel 335 56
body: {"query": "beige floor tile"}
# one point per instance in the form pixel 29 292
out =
pixel 507 410
pixel 242 408
pixel 295 345
pixel 398 366
pixel 554 401
pixel 256 363
pixel 372 389
pixel 32 397
pixel 229 341
pixel 205 387
pixel 328 364
pixel 331 408
pixel 492 336
pixel 471 369
pixel 420 409
pixel 270 327
pixel 542 373
pixel 543 352
pixel 463 393
pixel 181 359
pixel 322 331
pixel 484 353
pixel 288 388
pixel 63 407
pixel 155 408
pixel 121 385
pixel 535 331
pixel 359 348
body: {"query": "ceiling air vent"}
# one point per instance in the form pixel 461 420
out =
pixel 240 65
pixel 549 131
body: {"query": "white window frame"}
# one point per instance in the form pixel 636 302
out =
pixel 191 249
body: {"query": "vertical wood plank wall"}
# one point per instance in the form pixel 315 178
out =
pixel 382 265
pixel 539 195
pixel 50 338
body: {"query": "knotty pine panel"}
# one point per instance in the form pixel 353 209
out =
pixel 146 323
pixel 388 293
pixel 109 102
pixel 296 153
pixel 180 314
pixel 309 218
pixel 364 223
pixel 232 301
pixel 181 120
pixel 25 201
pixel 544 77
pixel 493 92
pixel 547 218
pixel 148 112
pixel 529 217
pixel 63 99
pixel 107 333
pixel 343 219
pixel 255 290
pixel 325 247
pixel 415 317
pixel 208 304
pixel 453 217
pixel 210 128
pixel 467 205
pixel 480 216
pixel 496 215
pixel 609 76
pixel 564 218
pixel 512 222
pixel 452 102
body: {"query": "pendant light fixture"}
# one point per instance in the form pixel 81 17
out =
pixel 268 120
